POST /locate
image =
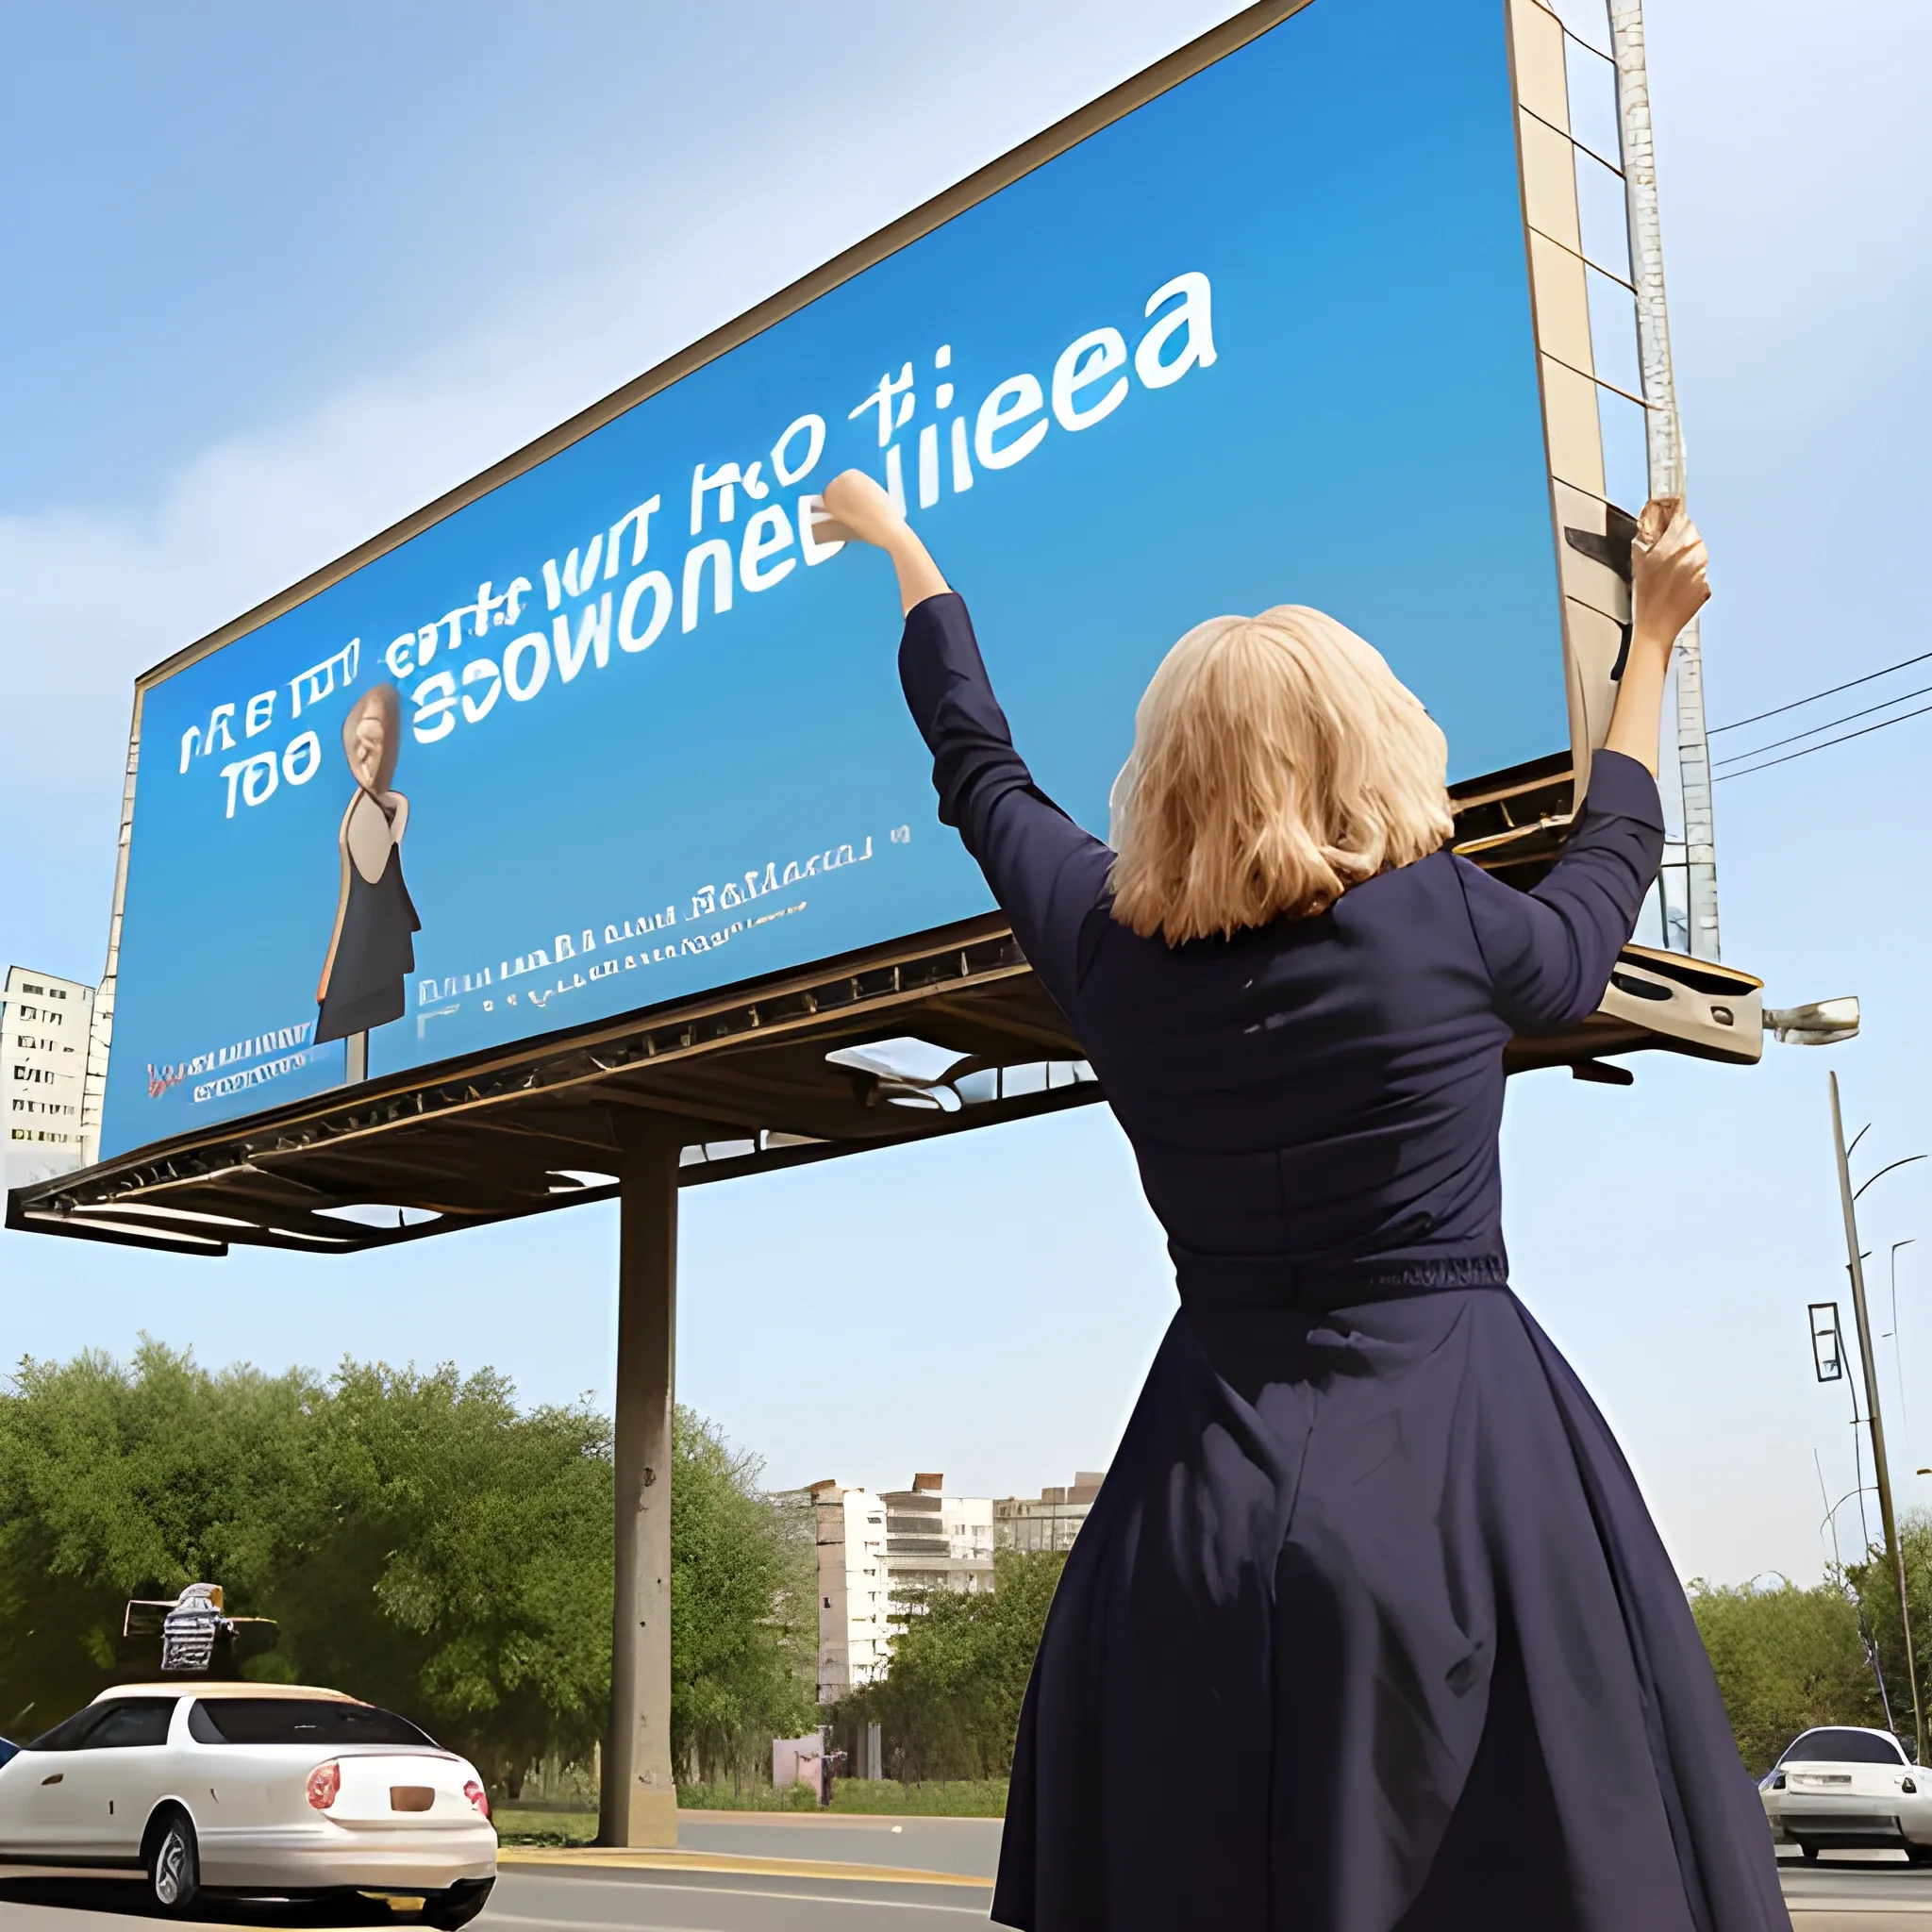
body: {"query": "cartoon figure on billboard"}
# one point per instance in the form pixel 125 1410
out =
pixel 371 952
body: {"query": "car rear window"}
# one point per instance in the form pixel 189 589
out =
pixel 119 1723
pixel 325 1722
pixel 1844 1748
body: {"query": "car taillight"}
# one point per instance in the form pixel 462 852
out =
pixel 477 1797
pixel 324 1782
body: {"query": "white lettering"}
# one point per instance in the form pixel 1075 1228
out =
pixel 1195 315
pixel 308 751
pixel 313 685
pixel 718 553
pixel 660 587
pixel 261 712
pixel 1082 363
pixel 475 672
pixel 722 480
pixel 814 429
pixel 593 633
pixel 259 777
pixel 765 535
pixel 400 656
pixel 640 543
pixel 929 466
pixel 811 512
pixel 1017 397
pixel 539 645
pixel 434 700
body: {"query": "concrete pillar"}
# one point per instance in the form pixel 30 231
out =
pixel 638 1802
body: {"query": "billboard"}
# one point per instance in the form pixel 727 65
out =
pixel 625 727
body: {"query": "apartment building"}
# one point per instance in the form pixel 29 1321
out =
pixel 44 1026
pixel 1052 1520
pixel 877 1550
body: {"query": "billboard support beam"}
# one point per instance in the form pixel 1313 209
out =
pixel 638 1801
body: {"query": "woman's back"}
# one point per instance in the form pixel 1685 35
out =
pixel 1323 1090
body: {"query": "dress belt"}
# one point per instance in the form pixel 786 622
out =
pixel 1274 1281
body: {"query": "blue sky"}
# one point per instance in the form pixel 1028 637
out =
pixel 275 277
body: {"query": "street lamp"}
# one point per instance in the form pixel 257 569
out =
pixel 1847 1200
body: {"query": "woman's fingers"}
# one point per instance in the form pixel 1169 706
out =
pixel 859 503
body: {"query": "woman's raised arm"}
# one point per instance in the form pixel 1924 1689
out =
pixel 1047 874
pixel 856 500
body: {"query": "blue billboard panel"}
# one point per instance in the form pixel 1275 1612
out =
pixel 627 727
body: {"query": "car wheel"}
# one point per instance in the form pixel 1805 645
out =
pixel 1809 1854
pixel 174 1863
pixel 1920 1855
pixel 447 1910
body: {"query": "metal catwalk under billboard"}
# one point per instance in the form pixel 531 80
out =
pixel 621 730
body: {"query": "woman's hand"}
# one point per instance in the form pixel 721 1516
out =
pixel 1669 584
pixel 1668 587
pixel 853 499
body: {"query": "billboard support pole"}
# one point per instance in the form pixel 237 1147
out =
pixel 1692 865
pixel 638 1800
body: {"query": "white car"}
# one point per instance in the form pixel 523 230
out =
pixel 266 1790
pixel 1840 1789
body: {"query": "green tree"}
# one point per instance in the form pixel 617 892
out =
pixel 130 1481
pixel 1785 1659
pixel 1876 1584
pixel 949 1704
pixel 419 1541
pixel 455 1562
pixel 744 1608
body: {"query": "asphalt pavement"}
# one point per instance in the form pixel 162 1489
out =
pixel 738 1873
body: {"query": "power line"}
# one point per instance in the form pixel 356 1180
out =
pixel 1776 710
pixel 1865 732
pixel 1830 724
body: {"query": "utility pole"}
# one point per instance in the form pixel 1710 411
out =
pixel 1892 1547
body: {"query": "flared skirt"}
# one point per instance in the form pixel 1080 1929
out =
pixel 1369 1630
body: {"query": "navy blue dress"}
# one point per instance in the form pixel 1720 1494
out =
pixel 1369 1627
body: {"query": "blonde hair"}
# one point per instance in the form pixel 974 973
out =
pixel 1278 760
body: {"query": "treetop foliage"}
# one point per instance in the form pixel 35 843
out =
pixel 949 1705
pixel 421 1541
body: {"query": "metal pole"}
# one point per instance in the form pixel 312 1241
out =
pixel 1696 857
pixel 638 1795
pixel 1883 1469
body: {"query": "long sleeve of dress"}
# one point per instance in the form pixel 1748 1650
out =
pixel 1046 872
pixel 1550 950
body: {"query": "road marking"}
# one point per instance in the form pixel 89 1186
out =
pixel 796 1898
pixel 568 1858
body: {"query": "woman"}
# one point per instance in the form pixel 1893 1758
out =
pixel 1368 1563
pixel 371 952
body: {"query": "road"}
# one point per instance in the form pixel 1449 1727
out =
pixel 760 1890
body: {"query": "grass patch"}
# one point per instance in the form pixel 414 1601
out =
pixel 964 1798
pixel 516 1825
pixel 751 1798
pixel 959 1798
